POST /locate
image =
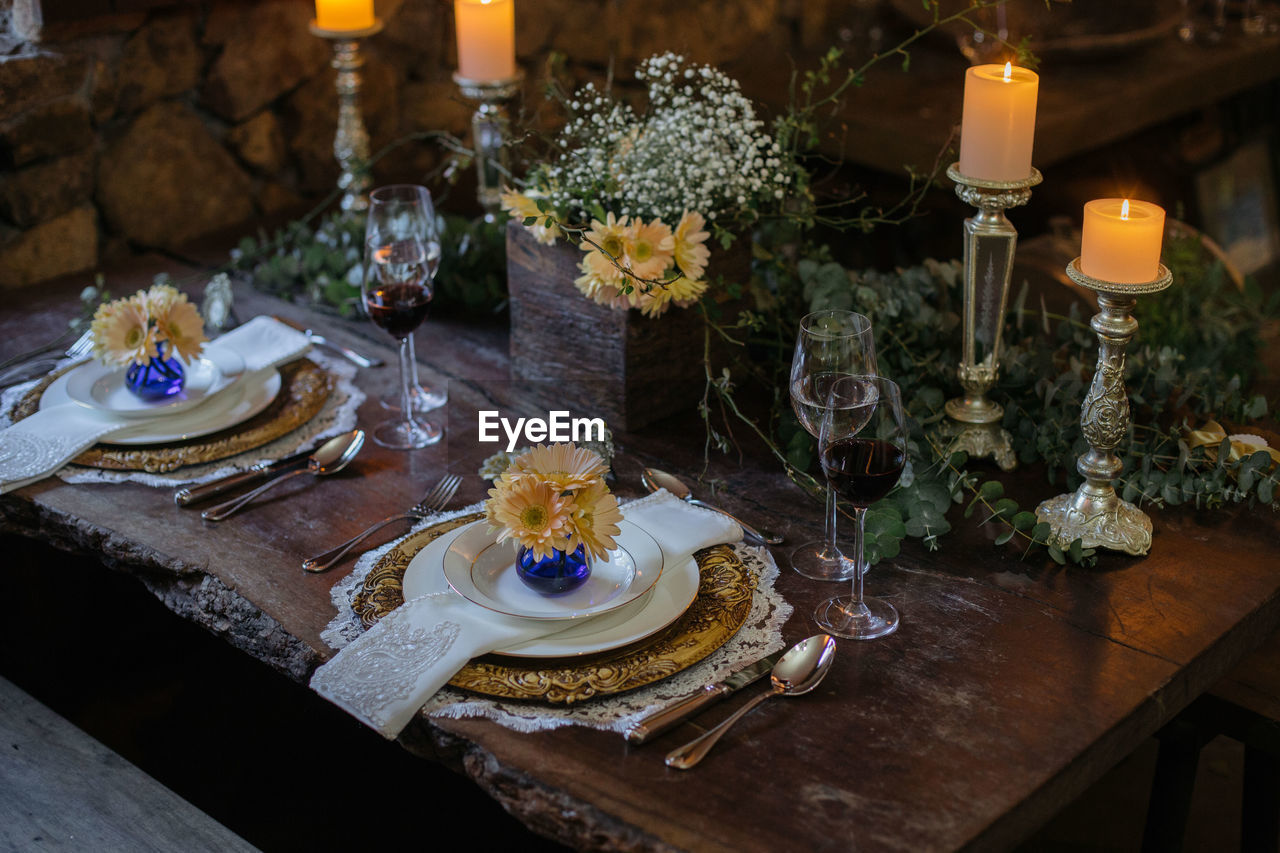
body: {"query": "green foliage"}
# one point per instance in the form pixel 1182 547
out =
pixel 323 266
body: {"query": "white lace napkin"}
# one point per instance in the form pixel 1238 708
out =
pixel 389 672
pixel 38 445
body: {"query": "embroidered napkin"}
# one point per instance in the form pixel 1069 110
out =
pixel 383 677
pixel 38 445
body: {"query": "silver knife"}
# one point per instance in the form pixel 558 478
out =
pixel 195 494
pixel 321 341
pixel 660 721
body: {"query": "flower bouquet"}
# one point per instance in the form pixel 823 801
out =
pixel 152 333
pixel 553 502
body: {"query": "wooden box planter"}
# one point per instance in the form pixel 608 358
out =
pixel 629 369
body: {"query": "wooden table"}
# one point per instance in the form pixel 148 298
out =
pixel 1010 687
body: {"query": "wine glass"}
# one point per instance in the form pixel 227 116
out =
pixel 423 398
pixel 830 344
pixel 397 291
pixel 863 444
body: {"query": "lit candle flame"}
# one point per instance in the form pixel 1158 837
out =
pixel 1124 209
pixel 1008 71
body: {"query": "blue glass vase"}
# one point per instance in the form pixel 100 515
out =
pixel 158 379
pixel 558 573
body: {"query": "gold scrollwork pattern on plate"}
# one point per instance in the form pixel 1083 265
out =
pixel 304 387
pixel 725 591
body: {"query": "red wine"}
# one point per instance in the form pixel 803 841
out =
pixel 862 470
pixel 398 308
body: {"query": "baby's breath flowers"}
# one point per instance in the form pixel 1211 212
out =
pixel 647 184
pixel 555 498
pixel 131 330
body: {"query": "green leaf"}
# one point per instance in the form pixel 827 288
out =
pixel 1056 554
pixel 1266 490
pixel 991 489
pixel 1076 550
pixel 1024 520
pixel 1040 533
pixel 1005 508
pixel 530 221
pixel 1006 536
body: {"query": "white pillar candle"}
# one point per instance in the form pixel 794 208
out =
pixel 999 122
pixel 1121 240
pixel 486 31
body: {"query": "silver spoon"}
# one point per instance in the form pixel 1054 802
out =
pixel 329 458
pixel 654 479
pixel 798 671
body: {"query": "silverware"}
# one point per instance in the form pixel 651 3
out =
pixel 26 367
pixel 659 721
pixel 654 479
pixel 800 670
pixel 436 499
pixel 329 458
pixel 195 494
pixel 321 341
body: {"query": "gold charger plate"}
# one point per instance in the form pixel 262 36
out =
pixel 725 590
pixel 304 387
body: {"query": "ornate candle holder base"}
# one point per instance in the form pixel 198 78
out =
pixel 489 135
pixel 990 240
pixel 351 141
pixel 1094 513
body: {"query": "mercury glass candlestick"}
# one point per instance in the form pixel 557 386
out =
pixel 351 142
pixel 1094 513
pixel 973 423
pixel 489 127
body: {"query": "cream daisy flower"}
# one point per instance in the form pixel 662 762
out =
pixel 595 517
pixel 598 290
pixel 530 512
pixel 520 207
pixel 691 254
pixel 611 236
pixel 122 332
pixel 564 466
pixel 649 249
pixel 178 322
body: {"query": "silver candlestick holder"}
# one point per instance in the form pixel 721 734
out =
pixel 489 126
pixel 1094 513
pixel 973 423
pixel 351 142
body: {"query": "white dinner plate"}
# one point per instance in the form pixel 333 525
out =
pixel 241 401
pixel 483 571
pixel 644 617
pixel 98 386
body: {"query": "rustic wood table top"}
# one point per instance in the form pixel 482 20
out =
pixel 1011 686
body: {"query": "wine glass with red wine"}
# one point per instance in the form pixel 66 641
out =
pixel 401 248
pixel 863 444
pixel 829 345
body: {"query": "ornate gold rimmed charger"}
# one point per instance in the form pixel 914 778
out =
pixel 304 388
pixel 723 602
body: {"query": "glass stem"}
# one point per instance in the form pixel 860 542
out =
pixel 413 367
pixel 406 375
pixel 860 560
pixel 831 549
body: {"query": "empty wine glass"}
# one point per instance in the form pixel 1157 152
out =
pixel 397 292
pixel 830 344
pixel 863 442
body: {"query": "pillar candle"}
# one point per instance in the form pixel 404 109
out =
pixel 999 122
pixel 486 32
pixel 344 14
pixel 1122 240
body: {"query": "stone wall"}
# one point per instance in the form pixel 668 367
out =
pixel 136 131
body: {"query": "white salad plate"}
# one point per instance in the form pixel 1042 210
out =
pixel 241 401
pixel 483 571
pixel 645 616
pixel 98 386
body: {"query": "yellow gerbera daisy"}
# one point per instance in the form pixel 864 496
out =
pixel 611 237
pixel 598 290
pixel 530 512
pixel 178 322
pixel 564 466
pixel 649 248
pixel 691 254
pixel 595 517
pixel 122 332
pixel 520 207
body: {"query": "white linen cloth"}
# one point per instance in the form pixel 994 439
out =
pixel 39 445
pixel 387 674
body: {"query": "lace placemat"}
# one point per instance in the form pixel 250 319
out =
pixel 760 635
pixel 338 415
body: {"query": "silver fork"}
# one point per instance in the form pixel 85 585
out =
pixel 436 499
pixel 80 348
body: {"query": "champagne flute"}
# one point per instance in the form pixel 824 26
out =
pixel 830 344
pixel 863 442
pixel 397 292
